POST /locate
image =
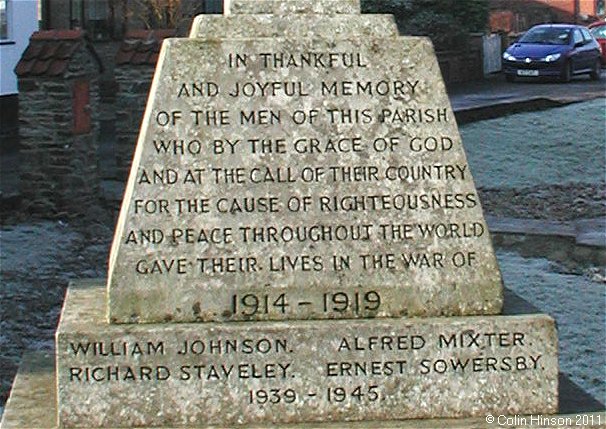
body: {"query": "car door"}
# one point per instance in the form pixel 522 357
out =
pixel 591 48
pixel 578 56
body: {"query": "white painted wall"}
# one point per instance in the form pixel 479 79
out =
pixel 22 22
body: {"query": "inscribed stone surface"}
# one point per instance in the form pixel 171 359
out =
pixel 298 179
pixel 239 373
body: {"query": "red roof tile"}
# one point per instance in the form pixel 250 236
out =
pixel 58 35
pixel 49 52
pixel 138 34
pixel 66 50
pixel 140 58
pixel 164 34
pixel 141 47
pixel 147 45
pixel 123 57
pixel 41 66
pixel 24 67
pixel 32 51
pixel 58 67
pixel 129 45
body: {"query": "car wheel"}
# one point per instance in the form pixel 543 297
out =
pixel 510 77
pixel 566 74
pixel 596 70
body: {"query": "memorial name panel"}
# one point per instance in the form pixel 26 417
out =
pixel 282 179
pixel 306 371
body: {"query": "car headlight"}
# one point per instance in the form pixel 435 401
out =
pixel 551 58
pixel 508 57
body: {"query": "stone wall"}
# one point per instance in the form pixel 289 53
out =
pixel 461 66
pixel 9 122
pixel 133 83
pixel 59 174
pixel 135 63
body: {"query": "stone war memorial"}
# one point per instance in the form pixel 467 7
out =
pixel 300 242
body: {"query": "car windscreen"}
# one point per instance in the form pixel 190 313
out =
pixel 547 36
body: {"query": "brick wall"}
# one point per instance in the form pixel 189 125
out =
pixel 518 16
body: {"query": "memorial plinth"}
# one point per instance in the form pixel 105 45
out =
pixel 299 163
pixel 299 371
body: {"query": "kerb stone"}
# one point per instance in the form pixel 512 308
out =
pixel 301 371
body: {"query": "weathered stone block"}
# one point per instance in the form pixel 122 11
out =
pixel 246 373
pixel 32 404
pixel 283 7
pixel 293 26
pixel 300 179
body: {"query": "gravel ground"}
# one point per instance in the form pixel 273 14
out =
pixel 556 202
pixel 577 303
pixel 37 261
pixel 526 150
pixel 564 180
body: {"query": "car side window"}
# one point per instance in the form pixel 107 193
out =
pixel 578 37
pixel 586 34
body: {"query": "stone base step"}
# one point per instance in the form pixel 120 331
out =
pixel 32 405
pixel 298 371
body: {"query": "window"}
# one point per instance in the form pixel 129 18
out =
pixel 97 10
pixel 92 16
pixel 3 19
pixel 76 14
pixel 586 35
pixel 97 19
pixel 547 36
pixel 578 38
pixel 599 32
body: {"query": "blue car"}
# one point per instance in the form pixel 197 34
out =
pixel 553 50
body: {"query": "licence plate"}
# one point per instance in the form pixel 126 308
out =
pixel 528 72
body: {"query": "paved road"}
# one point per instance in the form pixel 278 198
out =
pixel 494 97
